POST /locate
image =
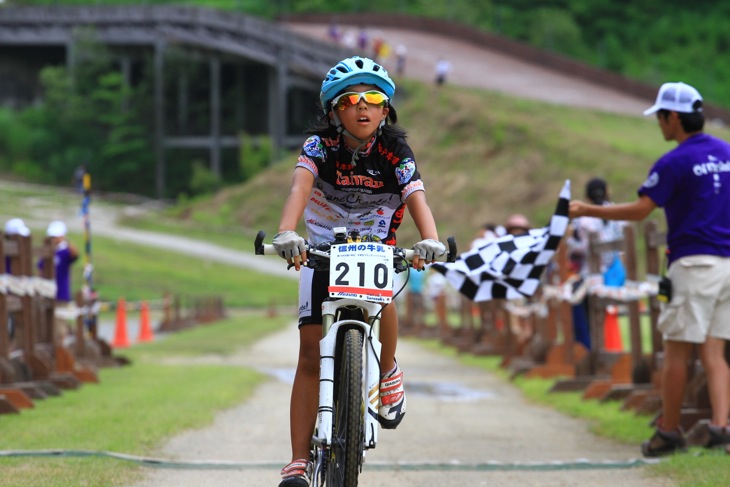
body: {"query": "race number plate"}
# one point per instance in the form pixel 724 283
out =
pixel 362 270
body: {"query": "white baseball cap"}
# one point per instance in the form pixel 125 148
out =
pixel 676 97
pixel 56 229
pixel 16 226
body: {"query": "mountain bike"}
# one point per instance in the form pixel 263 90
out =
pixel 360 284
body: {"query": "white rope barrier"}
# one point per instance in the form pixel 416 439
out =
pixel 574 289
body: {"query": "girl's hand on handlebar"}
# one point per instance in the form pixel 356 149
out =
pixel 292 247
pixel 426 252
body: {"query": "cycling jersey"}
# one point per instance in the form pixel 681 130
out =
pixel 368 196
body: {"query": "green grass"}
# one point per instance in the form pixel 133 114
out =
pixel 129 410
pixel 138 272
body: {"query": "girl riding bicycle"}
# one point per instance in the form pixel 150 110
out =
pixel 357 171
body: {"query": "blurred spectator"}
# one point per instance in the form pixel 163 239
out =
pixel 517 224
pixel 333 32
pixel 442 71
pixel 415 305
pixel 79 173
pixel 362 40
pixel 14 226
pixel 522 326
pixel 349 40
pixel 597 192
pixel 401 51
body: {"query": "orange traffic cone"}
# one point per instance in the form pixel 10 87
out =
pixel 145 330
pixel 120 334
pixel 611 332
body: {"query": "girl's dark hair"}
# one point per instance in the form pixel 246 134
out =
pixel 322 126
pixel 597 191
pixel 691 122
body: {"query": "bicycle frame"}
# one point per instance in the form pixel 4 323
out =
pixel 371 368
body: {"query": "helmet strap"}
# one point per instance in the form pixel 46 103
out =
pixel 361 142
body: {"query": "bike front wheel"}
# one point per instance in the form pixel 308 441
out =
pixel 347 435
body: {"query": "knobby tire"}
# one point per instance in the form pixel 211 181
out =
pixel 347 439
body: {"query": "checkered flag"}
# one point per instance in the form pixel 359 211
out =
pixel 509 267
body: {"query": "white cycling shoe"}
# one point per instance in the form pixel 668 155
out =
pixel 392 399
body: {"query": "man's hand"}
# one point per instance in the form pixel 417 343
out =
pixel 292 247
pixel 577 208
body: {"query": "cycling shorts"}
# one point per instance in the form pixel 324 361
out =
pixel 312 292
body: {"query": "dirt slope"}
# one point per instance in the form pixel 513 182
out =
pixel 480 67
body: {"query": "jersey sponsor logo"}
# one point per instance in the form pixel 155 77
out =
pixel 405 170
pixel 307 163
pixel 412 187
pixel 358 180
pixel 357 200
pixel 314 199
pixel 652 180
pixel 312 221
pixel 330 142
pixel 388 155
pixel 313 147
pixel 344 166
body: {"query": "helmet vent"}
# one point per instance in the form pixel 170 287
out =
pixel 359 63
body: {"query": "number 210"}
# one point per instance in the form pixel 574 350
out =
pixel 380 275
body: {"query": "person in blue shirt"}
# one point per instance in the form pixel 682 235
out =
pixel 692 184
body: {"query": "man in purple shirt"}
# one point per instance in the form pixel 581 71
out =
pixel 692 183
pixel 65 254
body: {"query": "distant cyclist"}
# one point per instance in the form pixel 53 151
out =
pixel 356 171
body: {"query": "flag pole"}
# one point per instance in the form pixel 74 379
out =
pixel 88 292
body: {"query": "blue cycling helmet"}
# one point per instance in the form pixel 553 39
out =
pixel 354 71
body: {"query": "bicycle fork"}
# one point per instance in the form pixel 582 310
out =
pixel 322 438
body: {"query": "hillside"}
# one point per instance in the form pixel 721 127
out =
pixel 482 156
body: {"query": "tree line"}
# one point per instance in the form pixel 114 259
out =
pixel 92 116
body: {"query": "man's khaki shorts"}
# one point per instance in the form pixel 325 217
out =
pixel 700 304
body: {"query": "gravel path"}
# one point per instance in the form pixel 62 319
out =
pixel 458 417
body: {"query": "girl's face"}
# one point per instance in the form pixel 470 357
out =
pixel 361 119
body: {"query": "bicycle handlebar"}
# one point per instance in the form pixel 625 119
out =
pixel 260 248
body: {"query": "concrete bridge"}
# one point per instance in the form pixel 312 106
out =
pixel 257 77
